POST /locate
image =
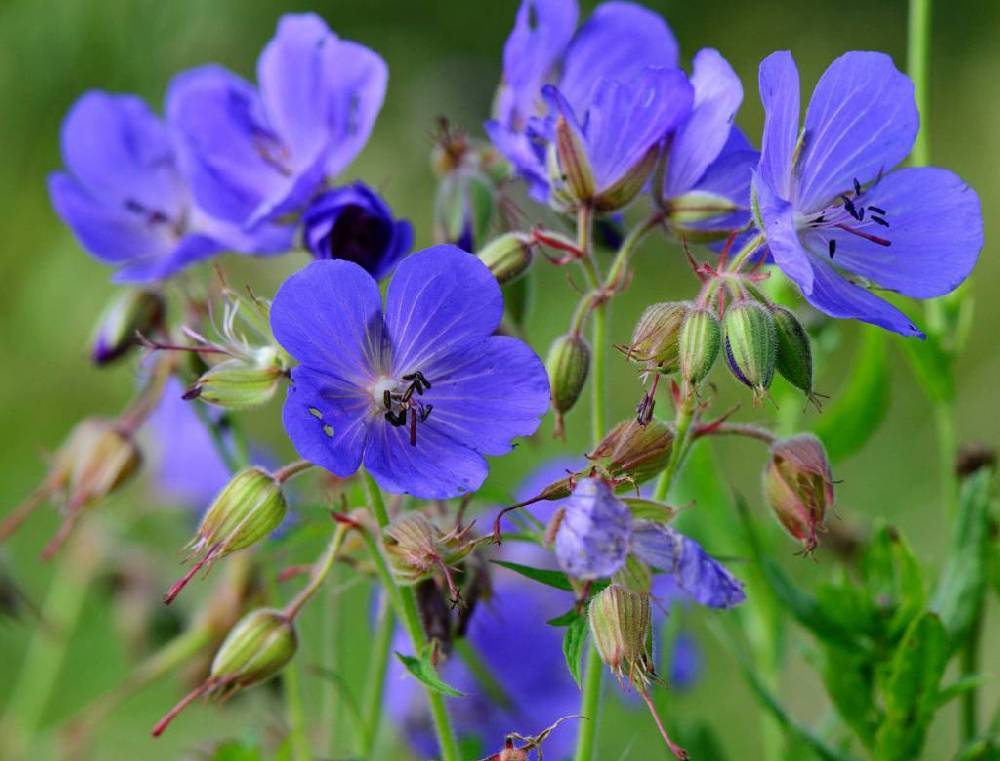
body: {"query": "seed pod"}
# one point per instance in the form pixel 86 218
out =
pixel 794 357
pixel 237 384
pixel 129 312
pixel 568 363
pixel 635 451
pixel 657 333
pixel 751 345
pixel 620 623
pixel 798 485
pixel 700 339
pixel 508 256
pixel 258 647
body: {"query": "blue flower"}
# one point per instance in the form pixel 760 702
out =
pixel 828 201
pixel 619 89
pixel 685 662
pixel 419 392
pixel 126 200
pixel 593 537
pixel 254 155
pixel 353 223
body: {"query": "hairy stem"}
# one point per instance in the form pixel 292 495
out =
pixel 682 440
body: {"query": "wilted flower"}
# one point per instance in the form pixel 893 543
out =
pixel 824 201
pixel 126 200
pixel 798 485
pixel 593 537
pixel 419 392
pixel 354 223
pixel 254 155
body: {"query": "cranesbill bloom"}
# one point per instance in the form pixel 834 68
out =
pixel 828 200
pixel 126 200
pixel 253 155
pixel 420 391
pixel 593 536
pixel 618 87
pixel 354 223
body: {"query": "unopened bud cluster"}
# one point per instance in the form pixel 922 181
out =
pixel 676 336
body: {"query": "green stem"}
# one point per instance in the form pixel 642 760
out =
pixel 298 737
pixel 378 666
pixel 682 440
pixel 405 603
pixel 969 663
pixel 918 61
pixel 319 572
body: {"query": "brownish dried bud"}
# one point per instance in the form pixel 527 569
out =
pixel 798 485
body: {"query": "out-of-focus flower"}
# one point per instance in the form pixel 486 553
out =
pixel 126 199
pixel 593 537
pixel 256 154
pixel 419 392
pixel 825 201
pixel 354 223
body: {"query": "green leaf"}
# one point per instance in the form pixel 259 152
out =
pixel 566 619
pixel 894 581
pixel 911 689
pixel 574 641
pixel 860 404
pixel 424 671
pixel 556 579
pixel 960 687
pixel 234 750
pixel 848 679
pixel 961 590
pixel 850 607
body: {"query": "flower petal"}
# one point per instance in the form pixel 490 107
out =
pixel 190 249
pixel 592 540
pixel 328 420
pixel 936 233
pixel 328 316
pixel 778 81
pixel 526 156
pixel 718 94
pixel 441 301
pixel 862 119
pixel 778 218
pixel 617 42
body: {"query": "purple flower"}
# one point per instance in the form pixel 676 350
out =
pixel 695 572
pixel 126 200
pixel 685 662
pixel 420 391
pixel 618 88
pixel 256 154
pixel 593 536
pixel 828 200
pixel 353 223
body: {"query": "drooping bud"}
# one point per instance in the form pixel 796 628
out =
pixel 655 338
pixel 592 538
pixel 128 313
pixel 700 340
pixel 237 384
pixel 794 357
pixel 634 451
pixel 751 345
pixel 249 508
pixel 798 485
pixel 620 622
pixel 568 363
pixel 689 212
pixel 508 256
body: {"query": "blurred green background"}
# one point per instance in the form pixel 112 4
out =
pixel 444 59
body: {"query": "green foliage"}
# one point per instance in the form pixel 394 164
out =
pixel 574 642
pixel 424 671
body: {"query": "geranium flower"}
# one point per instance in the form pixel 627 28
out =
pixel 829 202
pixel 420 391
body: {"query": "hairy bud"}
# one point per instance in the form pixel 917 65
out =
pixel 568 363
pixel 571 165
pixel 508 256
pixel 417 548
pixel 237 384
pixel 634 451
pixel 794 356
pixel 751 345
pixel 656 335
pixel 700 339
pixel 128 313
pixel 798 485
pixel 620 623
pixel 258 647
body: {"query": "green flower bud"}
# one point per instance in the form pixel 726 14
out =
pixel 620 623
pixel 571 168
pixel 635 576
pixel 129 312
pixel 508 256
pixel 634 451
pixel 258 647
pixel 798 485
pixel 700 340
pixel 751 344
pixel 568 363
pixel 688 212
pixel 794 358
pixel 655 338
pixel 237 384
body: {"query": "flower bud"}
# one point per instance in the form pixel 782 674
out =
pixel 258 647
pixel 634 451
pixel 656 334
pixel 688 213
pixel 634 576
pixel 794 357
pixel 508 256
pixel 568 362
pixel 571 165
pixel 700 339
pixel 620 622
pixel 798 485
pixel 129 312
pixel 418 548
pixel 237 384
pixel 751 345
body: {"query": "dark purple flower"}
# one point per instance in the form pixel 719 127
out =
pixel 617 86
pixel 695 572
pixel 420 391
pixel 254 154
pixel 353 223
pixel 593 536
pixel 126 200
pixel 829 200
